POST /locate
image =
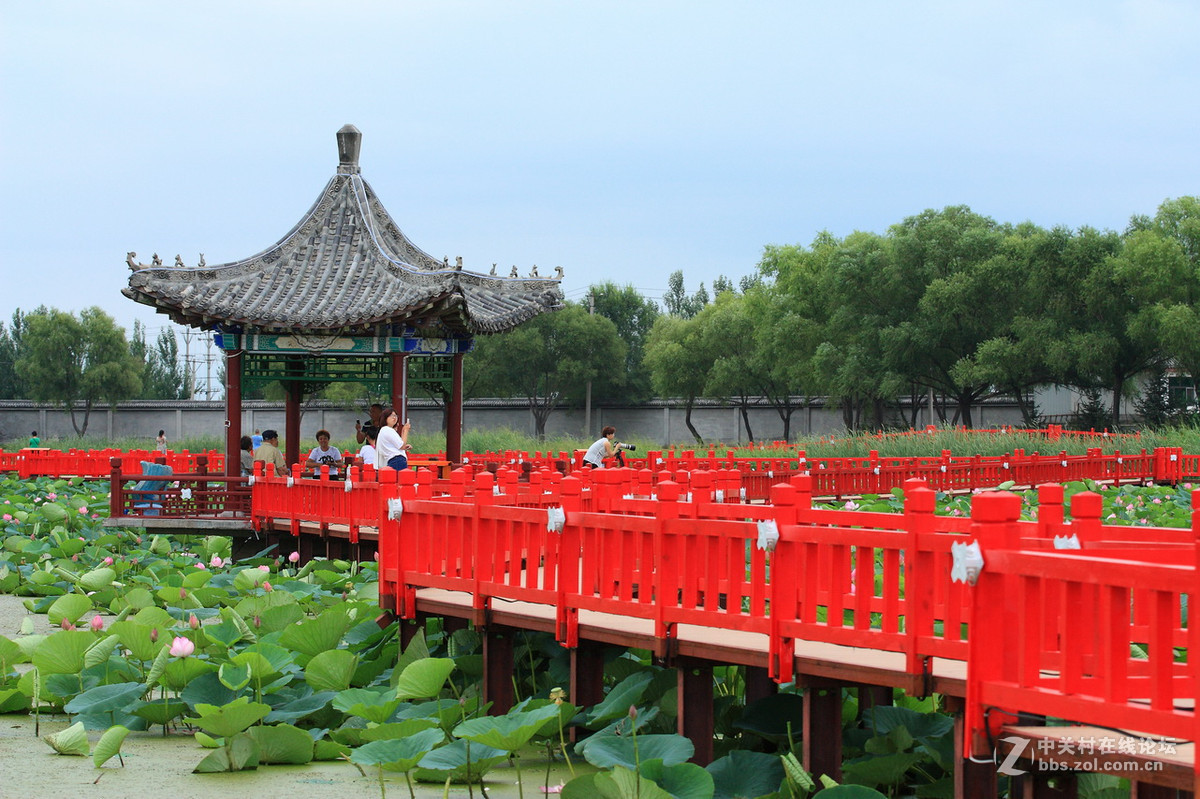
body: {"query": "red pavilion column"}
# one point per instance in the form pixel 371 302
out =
pixel 233 413
pixel 291 428
pixel 454 419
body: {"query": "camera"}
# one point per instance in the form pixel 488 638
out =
pixel 629 447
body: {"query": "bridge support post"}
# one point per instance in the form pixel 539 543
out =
pixel 971 779
pixel 822 724
pixel 870 696
pixel 695 682
pixel 1036 786
pixel 759 684
pixel 498 670
pixel 587 674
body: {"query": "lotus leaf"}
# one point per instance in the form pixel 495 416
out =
pixel 105 698
pixel 314 636
pixel 230 719
pixel 458 762
pixel 239 755
pixel 742 773
pixel 624 694
pixel 234 677
pixel 424 678
pixel 370 704
pixel 299 707
pixel 69 607
pixel 97 579
pixel 509 732
pixel 71 741
pixel 282 743
pixel 63 652
pixel 109 745
pixel 331 670
pixel 181 671
pixel 606 751
pixel 159 711
pixel 100 651
pixel 397 754
pixel 397 729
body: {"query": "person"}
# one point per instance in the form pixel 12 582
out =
pixel 391 445
pixel 374 421
pixel 269 452
pixel 160 443
pixel 247 456
pixel 600 449
pixel 367 453
pixel 34 441
pixel 324 454
pixel 256 439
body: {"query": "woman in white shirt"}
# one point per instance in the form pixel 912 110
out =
pixel 366 455
pixel 390 444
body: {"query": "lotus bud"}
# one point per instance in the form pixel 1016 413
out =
pixel 633 712
pixel 97 623
pixel 216 562
pixel 257 622
pixel 557 695
pixel 154 635
pixel 294 557
pixel 264 568
pixel 267 586
pixel 75 558
pixel 108 561
pixel 193 622
pixel 67 625
pixel 182 647
pixel 182 593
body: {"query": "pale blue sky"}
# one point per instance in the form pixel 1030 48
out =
pixel 621 140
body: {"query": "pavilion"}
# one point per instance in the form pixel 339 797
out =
pixel 344 296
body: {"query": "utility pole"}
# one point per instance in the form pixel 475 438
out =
pixel 187 361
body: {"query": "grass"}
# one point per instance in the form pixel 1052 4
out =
pixel 500 440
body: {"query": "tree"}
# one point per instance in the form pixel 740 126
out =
pixel 12 347
pixel 549 359
pixel 164 374
pixel 678 302
pixel 633 316
pixel 679 362
pixel 69 360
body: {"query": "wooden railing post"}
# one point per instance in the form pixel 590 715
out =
pixel 920 501
pixel 116 499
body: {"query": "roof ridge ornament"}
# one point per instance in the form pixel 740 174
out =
pixel 349 141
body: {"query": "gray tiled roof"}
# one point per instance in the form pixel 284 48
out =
pixel 345 267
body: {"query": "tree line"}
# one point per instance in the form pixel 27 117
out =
pixel 947 304
pixel 54 356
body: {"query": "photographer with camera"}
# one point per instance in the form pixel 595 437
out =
pixel 604 447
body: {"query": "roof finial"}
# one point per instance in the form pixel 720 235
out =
pixel 349 143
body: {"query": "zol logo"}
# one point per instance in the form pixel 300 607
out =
pixel 1008 767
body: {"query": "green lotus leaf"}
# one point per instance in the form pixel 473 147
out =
pixel 331 670
pixel 105 698
pixel 10 655
pixel 138 598
pixel 424 678
pixel 240 755
pixel 154 616
pixel 138 638
pixel 154 677
pixel 109 744
pixel 317 635
pixel 398 754
pixel 230 719
pixel 398 729
pixel 282 743
pixel 159 711
pixel 100 651
pixel 63 652
pixel 69 607
pixel 367 703
pixel 53 513
pixel 330 750
pixel 606 751
pixel 225 632
pixel 71 741
pixel 98 579
pixel 299 708
pixel 234 676
pixel 458 762
pixel 181 671
pixel 250 578
pixel 196 579
pixel 509 732
pixel 206 740
pixel 13 700
pixel 742 773
pixel 624 694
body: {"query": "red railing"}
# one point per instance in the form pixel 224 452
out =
pixel 29 463
pixel 197 495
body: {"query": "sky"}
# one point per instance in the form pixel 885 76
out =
pixel 619 140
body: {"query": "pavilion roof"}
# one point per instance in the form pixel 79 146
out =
pixel 345 267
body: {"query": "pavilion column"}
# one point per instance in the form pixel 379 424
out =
pixel 454 418
pixel 295 391
pixel 400 385
pixel 233 413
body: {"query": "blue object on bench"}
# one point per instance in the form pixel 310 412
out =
pixel 145 498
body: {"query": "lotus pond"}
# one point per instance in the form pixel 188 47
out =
pixel 132 664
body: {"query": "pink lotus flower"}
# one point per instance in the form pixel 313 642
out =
pixel 8 517
pixel 199 565
pixel 108 561
pixel 264 568
pixel 182 647
pixel 97 623
pixel 216 562
pixel 52 495
pixel 267 586
pixel 850 505
pixel 294 557
pixel 83 510
pixel 1157 500
pixel 67 625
